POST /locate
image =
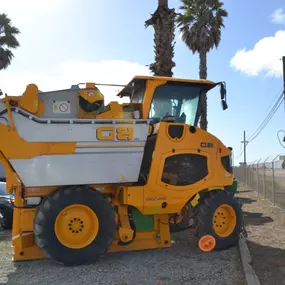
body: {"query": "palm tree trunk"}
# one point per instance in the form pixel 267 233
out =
pixel 203 75
pixel 163 22
pixel 163 3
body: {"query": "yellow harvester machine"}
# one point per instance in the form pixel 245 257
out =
pixel 90 178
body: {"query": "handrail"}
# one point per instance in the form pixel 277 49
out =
pixel 75 120
pixel 12 126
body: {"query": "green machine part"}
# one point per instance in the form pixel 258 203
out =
pixel 234 188
pixel 142 222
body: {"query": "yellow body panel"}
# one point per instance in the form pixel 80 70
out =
pixel 156 192
pixel 174 79
pixel 151 85
pixel 155 197
pixel 13 146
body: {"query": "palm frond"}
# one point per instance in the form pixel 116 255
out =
pixel 5 58
pixel 7 40
pixel 200 23
pixel 10 41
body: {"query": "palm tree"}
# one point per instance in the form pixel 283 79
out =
pixel 200 26
pixel 163 22
pixel 7 41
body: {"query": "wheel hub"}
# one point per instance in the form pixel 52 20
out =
pixel 76 226
pixel 224 220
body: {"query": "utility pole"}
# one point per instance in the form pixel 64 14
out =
pixel 283 60
pixel 244 154
pixel 244 148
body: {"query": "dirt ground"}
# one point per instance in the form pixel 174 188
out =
pixel 265 226
pixel 183 264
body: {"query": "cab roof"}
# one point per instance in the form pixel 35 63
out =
pixel 127 90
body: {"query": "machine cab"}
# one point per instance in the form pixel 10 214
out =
pixel 170 99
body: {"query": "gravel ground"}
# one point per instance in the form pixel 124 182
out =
pixel 265 225
pixel 184 263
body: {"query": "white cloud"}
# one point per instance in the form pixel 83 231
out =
pixel 23 12
pixel 73 72
pixel 264 57
pixel 278 16
pixel 37 20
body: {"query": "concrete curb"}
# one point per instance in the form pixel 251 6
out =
pixel 246 260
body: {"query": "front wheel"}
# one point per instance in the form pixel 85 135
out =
pixel 220 215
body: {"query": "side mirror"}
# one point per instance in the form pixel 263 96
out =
pixel 223 91
pixel 224 105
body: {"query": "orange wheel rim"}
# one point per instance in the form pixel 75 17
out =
pixel 224 220
pixel 76 226
pixel 207 243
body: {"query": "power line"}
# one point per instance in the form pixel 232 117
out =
pixel 277 94
pixel 240 152
pixel 267 118
pixel 268 115
pixel 281 131
pixel 267 121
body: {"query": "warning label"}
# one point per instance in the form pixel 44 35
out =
pixel 61 107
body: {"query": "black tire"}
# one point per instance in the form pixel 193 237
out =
pixel 1 223
pixel 49 209
pixel 7 218
pixel 207 208
pixel 184 224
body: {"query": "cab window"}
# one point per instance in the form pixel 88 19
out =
pixel 177 100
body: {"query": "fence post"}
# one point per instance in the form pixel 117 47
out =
pixel 264 187
pixel 273 179
pixel 273 186
pixel 252 176
pixel 257 176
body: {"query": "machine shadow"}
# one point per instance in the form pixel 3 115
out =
pixel 243 200
pixel 256 219
pixel 268 263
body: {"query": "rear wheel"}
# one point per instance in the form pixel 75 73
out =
pixel 74 225
pixel 180 221
pixel 220 216
pixel 183 220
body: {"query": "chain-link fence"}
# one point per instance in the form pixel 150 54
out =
pixel 266 177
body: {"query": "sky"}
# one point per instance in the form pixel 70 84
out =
pixel 67 42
